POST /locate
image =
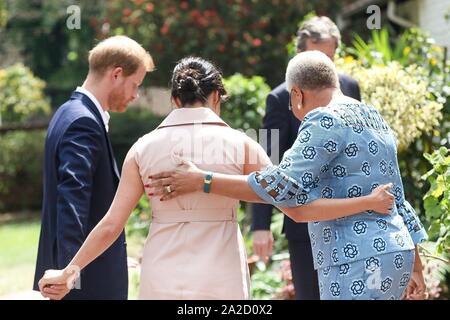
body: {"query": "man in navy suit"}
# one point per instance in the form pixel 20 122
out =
pixel 317 33
pixel 80 172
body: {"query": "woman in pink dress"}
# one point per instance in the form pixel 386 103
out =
pixel 194 249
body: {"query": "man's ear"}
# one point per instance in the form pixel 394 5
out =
pixel 117 72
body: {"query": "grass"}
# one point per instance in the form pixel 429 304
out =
pixel 19 237
pixel 18 249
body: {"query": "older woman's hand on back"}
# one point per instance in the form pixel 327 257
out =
pixel 170 184
pixel 382 201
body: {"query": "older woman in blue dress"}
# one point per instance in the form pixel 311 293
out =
pixel 344 149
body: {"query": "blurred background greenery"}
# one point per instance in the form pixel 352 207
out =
pixel 401 70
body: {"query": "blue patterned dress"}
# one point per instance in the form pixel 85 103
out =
pixel 345 151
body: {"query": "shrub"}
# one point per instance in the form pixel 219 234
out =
pixel 21 157
pixel 243 36
pixel 139 221
pixel 437 200
pixel 437 213
pixel 21 95
pixel 400 94
pixel 245 106
pixel 126 128
pixel 413 46
pixel 21 161
pixel 3 14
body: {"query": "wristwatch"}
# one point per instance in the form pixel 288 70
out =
pixel 207 182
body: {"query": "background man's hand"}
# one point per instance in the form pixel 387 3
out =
pixel 263 244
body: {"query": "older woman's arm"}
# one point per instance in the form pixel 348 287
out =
pixel 188 178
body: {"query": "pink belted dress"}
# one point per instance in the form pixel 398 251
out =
pixel 194 248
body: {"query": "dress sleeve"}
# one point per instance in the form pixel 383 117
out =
pixel 412 222
pixel 294 182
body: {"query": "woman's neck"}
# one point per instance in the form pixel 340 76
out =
pixel 196 105
pixel 215 109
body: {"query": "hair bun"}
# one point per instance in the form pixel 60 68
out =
pixel 194 79
pixel 188 84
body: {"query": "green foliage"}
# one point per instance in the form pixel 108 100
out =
pixel 21 161
pixel 378 49
pixel 140 219
pixel 244 36
pixel 266 284
pixel 245 106
pixel 35 26
pixel 411 47
pixel 3 14
pixel 123 135
pixel 21 95
pixel 409 109
pixel 437 199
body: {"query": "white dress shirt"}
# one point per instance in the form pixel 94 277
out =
pixel 105 115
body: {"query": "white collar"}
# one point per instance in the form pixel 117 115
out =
pixel 105 115
pixel 182 116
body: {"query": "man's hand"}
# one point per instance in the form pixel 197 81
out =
pixel 263 244
pixel 55 284
pixel 170 184
pixel 381 199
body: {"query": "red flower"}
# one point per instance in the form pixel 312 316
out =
pixel 184 5
pixel 138 2
pixel 210 13
pixel 252 60
pixel 202 22
pixel 126 12
pixel 195 14
pixel 164 29
pixel 263 24
pixel 136 21
pixel 256 42
pixel 149 7
pixel 247 37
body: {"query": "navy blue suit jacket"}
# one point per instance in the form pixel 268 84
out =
pixel 278 116
pixel 80 181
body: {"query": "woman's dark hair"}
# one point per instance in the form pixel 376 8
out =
pixel 194 79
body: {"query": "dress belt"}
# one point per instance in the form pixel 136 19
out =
pixel 196 215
